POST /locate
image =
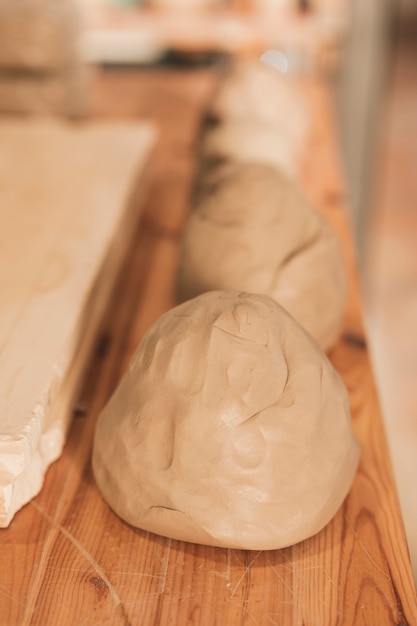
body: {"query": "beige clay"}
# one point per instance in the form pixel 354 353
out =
pixel 254 231
pixel 255 115
pixel 230 428
pixel 250 91
pixel 248 142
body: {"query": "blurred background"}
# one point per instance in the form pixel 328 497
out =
pixel 386 231
pixel 368 53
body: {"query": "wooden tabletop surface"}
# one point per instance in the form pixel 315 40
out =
pixel 67 559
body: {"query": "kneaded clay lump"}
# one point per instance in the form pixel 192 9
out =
pixel 252 230
pixel 249 142
pixel 250 91
pixel 230 428
pixel 255 115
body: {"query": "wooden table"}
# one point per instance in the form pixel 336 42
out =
pixel 68 560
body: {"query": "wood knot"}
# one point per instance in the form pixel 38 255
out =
pixel 99 585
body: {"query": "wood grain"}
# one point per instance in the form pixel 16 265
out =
pixel 67 559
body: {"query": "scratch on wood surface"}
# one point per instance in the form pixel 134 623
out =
pixel 252 617
pixel 180 596
pixel 270 617
pixel 86 554
pixel 282 580
pixel 245 573
pixel 287 564
pixel 300 580
pixel 34 587
pixel 138 574
pixel 366 552
pixel 115 572
pixel 165 571
pixel 300 570
pixel 6 593
pixel 321 567
pixel 226 573
pixel 153 596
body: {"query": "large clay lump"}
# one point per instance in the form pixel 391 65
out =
pixel 230 428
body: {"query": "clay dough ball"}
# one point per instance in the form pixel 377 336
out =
pixel 249 91
pixel 254 231
pixel 230 428
pixel 256 115
pixel 248 142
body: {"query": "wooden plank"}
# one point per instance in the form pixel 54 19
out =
pixel 70 196
pixel 67 559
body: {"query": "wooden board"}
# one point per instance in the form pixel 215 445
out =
pixel 69 198
pixel 67 559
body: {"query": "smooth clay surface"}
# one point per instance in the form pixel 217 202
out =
pixel 250 91
pixel 252 230
pixel 248 142
pixel 255 115
pixel 230 428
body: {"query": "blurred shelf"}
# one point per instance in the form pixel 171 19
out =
pixel 132 34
